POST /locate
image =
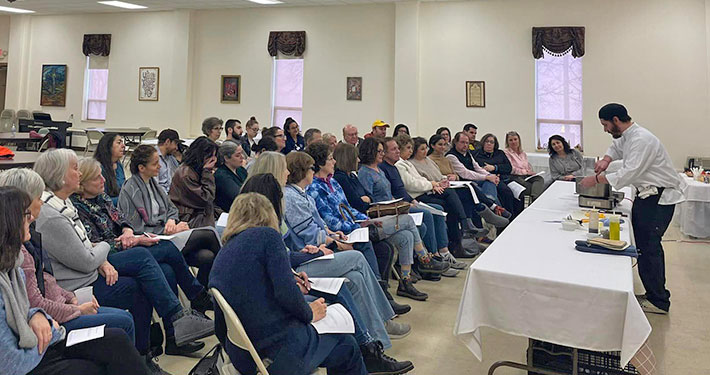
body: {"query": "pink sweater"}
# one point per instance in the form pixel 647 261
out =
pixel 56 300
pixel 520 163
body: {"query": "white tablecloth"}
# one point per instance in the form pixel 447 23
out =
pixel 531 282
pixel 694 213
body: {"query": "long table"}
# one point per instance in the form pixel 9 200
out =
pixel 694 212
pixel 531 282
pixel 24 159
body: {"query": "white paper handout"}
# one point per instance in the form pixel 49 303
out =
pixel 358 235
pixel 516 188
pixel 535 175
pixel 330 285
pixel 337 320
pixel 78 336
pixel 84 295
pixel 387 202
pixel 222 221
pixel 417 217
pixel 431 209
pixel 466 184
pixel 324 257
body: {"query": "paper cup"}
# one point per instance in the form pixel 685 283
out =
pixel 85 294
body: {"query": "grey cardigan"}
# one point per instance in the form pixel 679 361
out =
pixel 572 164
pixel 74 265
pixel 134 203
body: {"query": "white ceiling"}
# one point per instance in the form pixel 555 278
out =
pixel 91 6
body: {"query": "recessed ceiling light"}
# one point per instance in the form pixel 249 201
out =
pixel 266 2
pixel 122 4
pixel 15 10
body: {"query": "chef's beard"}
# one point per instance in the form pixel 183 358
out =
pixel 615 131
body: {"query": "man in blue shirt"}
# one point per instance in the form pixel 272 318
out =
pixel 168 141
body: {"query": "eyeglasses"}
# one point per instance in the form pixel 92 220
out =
pixel 380 151
pixel 490 141
pixel 220 128
pixel 313 168
pixel 28 215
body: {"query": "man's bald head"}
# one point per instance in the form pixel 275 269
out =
pixel 350 134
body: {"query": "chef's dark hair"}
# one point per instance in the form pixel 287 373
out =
pixel 611 110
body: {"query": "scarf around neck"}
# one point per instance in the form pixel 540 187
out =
pixel 67 209
pixel 17 305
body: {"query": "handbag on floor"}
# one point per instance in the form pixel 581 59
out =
pixel 208 364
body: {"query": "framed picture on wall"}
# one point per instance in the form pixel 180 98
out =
pixel 475 93
pixel 54 86
pixel 231 89
pixel 354 88
pixel 148 83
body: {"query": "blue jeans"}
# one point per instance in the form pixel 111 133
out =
pixel 362 336
pixel 369 253
pixel 141 286
pixel 436 236
pixel 489 189
pixel 112 317
pixel 366 291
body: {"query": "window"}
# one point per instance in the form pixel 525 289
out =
pixel 287 91
pixel 95 88
pixel 558 94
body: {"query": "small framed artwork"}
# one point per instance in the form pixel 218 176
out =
pixel 475 93
pixel 231 89
pixel 54 86
pixel 148 83
pixel 354 88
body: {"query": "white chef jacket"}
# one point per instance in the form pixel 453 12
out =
pixel 646 163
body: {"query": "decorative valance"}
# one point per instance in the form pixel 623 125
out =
pixel 96 44
pixel 558 40
pixel 287 42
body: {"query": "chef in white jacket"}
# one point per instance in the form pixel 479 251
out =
pixel 648 170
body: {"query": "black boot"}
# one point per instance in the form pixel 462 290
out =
pixel 407 289
pixel 471 231
pixel 171 348
pixel 202 302
pixel 377 362
pixel 398 309
pixel 153 367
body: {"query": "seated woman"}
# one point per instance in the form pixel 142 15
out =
pixel 77 262
pixel 436 192
pixel 264 145
pixel 301 216
pixel 270 306
pixel 437 153
pixel 109 153
pixel 42 288
pixel 193 188
pixel 148 209
pixel 230 175
pixel 445 134
pixel 400 129
pixel 31 341
pixel 566 163
pixel 294 139
pixel 491 158
pixel 105 223
pixel 349 264
pixel 521 167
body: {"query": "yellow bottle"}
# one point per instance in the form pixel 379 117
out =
pixel 614 227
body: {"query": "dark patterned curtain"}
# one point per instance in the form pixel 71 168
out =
pixel 97 44
pixel 287 42
pixel 558 40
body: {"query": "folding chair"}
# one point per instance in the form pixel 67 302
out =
pixel 92 140
pixel 235 331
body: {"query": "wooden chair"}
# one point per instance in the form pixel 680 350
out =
pixel 235 331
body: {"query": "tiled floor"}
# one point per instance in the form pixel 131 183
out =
pixel 681 340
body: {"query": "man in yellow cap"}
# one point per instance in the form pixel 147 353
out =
pixel 379 129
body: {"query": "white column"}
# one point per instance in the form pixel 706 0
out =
pixel 406 65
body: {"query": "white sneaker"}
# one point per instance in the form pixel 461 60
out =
pixel 455 264
pixel 650 308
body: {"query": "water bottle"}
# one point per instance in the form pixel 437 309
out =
pixel 71 119
pixel 14 130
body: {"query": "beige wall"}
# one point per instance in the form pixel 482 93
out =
pixel 341 41
pixel 651 55
pixel 4 35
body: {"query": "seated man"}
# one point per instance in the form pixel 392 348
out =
pixel 467 168
pixel 168 141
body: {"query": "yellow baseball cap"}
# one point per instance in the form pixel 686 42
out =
pixel 380 123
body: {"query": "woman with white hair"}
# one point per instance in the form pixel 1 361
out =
pixel 78 263
pixel 42 288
